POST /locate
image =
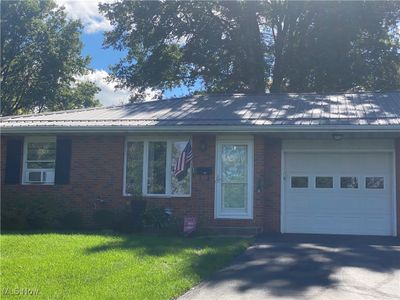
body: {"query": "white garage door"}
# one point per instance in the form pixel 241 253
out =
pixel 338 193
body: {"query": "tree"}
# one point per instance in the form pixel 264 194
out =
pixel 41 59
pixel 250 46
pixel 335 46
pixel 172 43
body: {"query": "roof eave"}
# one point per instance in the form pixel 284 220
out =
pixel 204 128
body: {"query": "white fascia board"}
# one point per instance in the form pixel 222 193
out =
pixel 202 128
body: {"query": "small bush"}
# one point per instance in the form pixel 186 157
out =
pixel 43 213
pixel 138 208
pixel 104 219
pixel 30 213
pixel 174 226
pixel 156 218
pixel 124 221
pixel 71 220
pixel 13 214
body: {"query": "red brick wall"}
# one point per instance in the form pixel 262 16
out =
pixel 272 194
pixel 397 154
pixel 97 173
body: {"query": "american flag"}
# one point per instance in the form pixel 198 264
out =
pixel 183 162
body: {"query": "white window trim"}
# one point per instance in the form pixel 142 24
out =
pixel 25 169
pixel 246 214
pixel 146 140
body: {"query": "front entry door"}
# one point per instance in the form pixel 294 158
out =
pixel 234 179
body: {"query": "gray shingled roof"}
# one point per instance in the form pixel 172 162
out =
pixel 372 110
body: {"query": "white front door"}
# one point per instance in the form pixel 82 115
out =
pixel 234 179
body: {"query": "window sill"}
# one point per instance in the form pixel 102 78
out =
pixel 38 184
pixel 234 217
pixel 160 196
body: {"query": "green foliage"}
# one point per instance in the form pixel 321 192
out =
pixel 250 46
pixel 138 207
pixel 335 45
pixel 71 220
pixel 13 214
pixel 159 221
pixel 171 43
pixel 30 213
pixel 156 218
pixel 41 59
pixel 104 219
pixel 81 96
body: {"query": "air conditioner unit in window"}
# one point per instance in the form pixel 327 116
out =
pixel 39 176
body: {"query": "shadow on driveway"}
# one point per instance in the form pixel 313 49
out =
pixel 310 266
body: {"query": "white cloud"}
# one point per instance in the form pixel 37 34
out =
pixel 88 12
pixel 109 95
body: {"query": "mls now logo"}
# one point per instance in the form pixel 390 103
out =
pixel 20 292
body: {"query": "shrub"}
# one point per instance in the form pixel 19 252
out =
pixel 71 220
pixel 104 219
pixel 174 226
pixel 13 214
pixel 156 218
pixel 30 213
pixel 124 221
pixel 138 208
pixel 43 213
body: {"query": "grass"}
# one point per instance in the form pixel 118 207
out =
pixel 89 266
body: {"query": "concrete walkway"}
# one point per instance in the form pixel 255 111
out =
pixel 309 267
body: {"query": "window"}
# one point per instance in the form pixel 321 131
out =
pixel 134 167
pixel 182 186
pixel 324 182
pixel 349 182
pixel 156 172
pixel 374 182
pixel 299 182
pixel 39 160
pixel 150 168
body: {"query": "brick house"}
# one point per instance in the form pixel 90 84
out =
pixel 284 163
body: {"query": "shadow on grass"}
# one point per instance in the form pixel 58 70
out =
pixel 203 254
pixel 287 266
pixel 200 255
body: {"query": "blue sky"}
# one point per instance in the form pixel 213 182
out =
pixel 101 58
pixel 92 37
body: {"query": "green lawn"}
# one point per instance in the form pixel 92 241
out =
pixel 88 266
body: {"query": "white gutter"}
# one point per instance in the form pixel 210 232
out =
pixel 204 128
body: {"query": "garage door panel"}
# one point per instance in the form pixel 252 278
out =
pixel 352 206
pixel 338 210
pixel 323 224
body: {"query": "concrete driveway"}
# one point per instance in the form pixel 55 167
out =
pixel 309 267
